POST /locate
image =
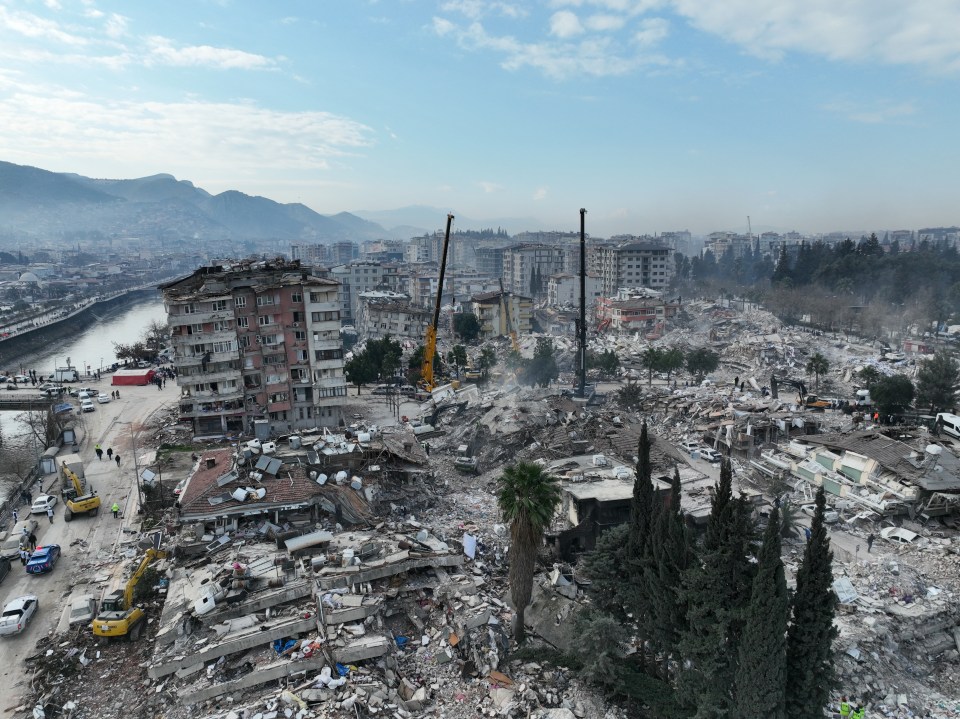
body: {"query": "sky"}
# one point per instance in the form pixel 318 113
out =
pixel 654 115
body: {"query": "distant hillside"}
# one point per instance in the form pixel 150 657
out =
pixel 426 219
pixel 37 203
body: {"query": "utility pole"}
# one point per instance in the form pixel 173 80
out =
pixel 582 334
pixel 136 467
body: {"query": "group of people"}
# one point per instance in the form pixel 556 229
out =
pixel 850 711
pixel 110 454
pixel 28 543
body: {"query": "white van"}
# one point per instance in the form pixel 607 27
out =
pixel 949 424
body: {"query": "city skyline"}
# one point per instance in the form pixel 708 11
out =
pixel 655 115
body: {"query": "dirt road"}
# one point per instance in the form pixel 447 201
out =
pixel 89 544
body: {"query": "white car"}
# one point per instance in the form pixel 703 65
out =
pixel 87 406
pixel 42 503
pixel 17 614
pixel 103 398
pixel 711 455
pixel 690 446
pixel 83 609
pixel 87 393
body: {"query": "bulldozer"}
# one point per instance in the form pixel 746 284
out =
pixel 118 617
pixel 76 499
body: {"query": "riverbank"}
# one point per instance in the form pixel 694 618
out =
pixel 34 339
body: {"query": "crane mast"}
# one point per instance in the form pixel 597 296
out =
pixel 430 342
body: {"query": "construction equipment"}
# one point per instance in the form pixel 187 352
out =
pixel 430 342
pixel 75 495
pixel 795 383
pixel 118 616
pixel 505 318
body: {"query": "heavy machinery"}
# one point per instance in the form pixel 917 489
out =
pixel 77 499
pixel 118 617
pixel 427 379
pixel 505 318
pixel 795 383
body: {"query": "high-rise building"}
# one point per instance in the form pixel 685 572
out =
pixel 631 264
pixel 257 348
pixel 524 263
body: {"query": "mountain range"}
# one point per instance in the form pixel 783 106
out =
pixel 36 203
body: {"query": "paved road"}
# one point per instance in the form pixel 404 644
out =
pixel 88 543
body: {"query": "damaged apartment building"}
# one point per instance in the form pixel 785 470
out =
pixel 258 348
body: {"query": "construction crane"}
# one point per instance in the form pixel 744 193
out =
pixel 430 343
pixel 505 318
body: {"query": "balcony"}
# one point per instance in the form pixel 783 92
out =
pixel 201 317
pixel 222 396
pixel 327 382
pixel 212 375
pixel 327 364
pixel 283 406
pixel 322 307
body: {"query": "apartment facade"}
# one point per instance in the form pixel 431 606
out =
pixel 380 314
pixel 353 279
pixel 502 313
pixel 257 346
pixel 563 289
pixel 632 264
pixel 520 262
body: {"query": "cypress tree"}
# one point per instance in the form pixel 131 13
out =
pixel 641 505
pixel 604 567
pixel 810 672
pixel 671 555
pixel 760 677
pixel 716 591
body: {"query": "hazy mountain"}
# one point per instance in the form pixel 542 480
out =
pixel 37 202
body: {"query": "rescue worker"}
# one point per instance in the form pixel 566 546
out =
pixel 844 708
pixel 116 510
pixel 99 450
pixel 857 713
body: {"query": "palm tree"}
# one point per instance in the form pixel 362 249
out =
pixel 528 497
pixel 817 365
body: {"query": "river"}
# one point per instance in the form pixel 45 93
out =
pixel 89 350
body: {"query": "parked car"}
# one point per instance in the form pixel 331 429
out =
pixel 830 516
pixel 143 364
pixel 43 559
pixel 10 549
pixel 22 378
pixel 711 455
pixel 87 405
pixel 17 614
pixel 87 394
pixel 5 567
pixel 690 446
pixel 103 398
pixel 42 503
pixel 83 609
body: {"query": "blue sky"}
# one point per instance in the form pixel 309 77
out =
pixel 655 115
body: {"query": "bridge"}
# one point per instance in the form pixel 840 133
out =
pixel 23 401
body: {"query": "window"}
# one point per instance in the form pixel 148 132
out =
pixel 322 355
pixel 240 301
pixel 244 341
pixel 296 298
pixel 319 297
pixel 299 336
pixel 243 322
pixel 251 381
pixel 223 346
pixel 332 391
pixel 222 327
pixel 302 356
pixel 189 309
pixel 275 359
pixel 198 350
pixel 265 320
pixel 298 316
pixel 278 397
pixel 219 305
pixel 266 300
pixel 325 316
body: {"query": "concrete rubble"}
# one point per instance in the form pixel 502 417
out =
pixel 381 590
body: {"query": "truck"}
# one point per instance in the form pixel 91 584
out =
pixel 66 374
pixel 118 616
pixel 862 398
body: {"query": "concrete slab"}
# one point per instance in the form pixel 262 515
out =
pixel 360 649
pixel 261 675
pixel 338 581
pixel 257 636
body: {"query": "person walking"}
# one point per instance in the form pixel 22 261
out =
pixel 870 542
pixel 117 457
pixel 16 516
pixel 24 556
pixel 99 450
pixel 116 510
pixel 113 395
pixel 109 453
pixel 50 514
pixel 33 541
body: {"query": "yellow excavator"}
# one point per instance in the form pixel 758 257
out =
pixel 427 380
pixel 118 617
pixel 76 501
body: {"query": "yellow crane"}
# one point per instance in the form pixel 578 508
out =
pixel 427 379
pixel 505 318
pixel 76 501
pixel 118 617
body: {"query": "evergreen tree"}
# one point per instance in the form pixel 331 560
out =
pixel 604 567
pixel 810 675
pixel 761 672
pixel 671 558
pixel 641 505
pixel 716 591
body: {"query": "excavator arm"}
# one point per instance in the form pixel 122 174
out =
pixel 430 341
pixel 147 560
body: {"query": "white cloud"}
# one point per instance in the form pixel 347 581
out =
pixel 116 25
pixel 873 113
pixel 51 126
pixel 442 26
pixel 889 31
pixel 33 26
pixel 540 194
pixel 595 56
pixel 604 23
pixel 627 7
pixel 652 31
pixel 162 52
pixel 476 9
pixel 490 187
pixel 565 24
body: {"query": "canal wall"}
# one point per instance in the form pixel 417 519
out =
pixel 36 338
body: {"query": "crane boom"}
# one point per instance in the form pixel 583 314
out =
pixel 430 341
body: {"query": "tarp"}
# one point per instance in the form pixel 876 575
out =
pixel 133 377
